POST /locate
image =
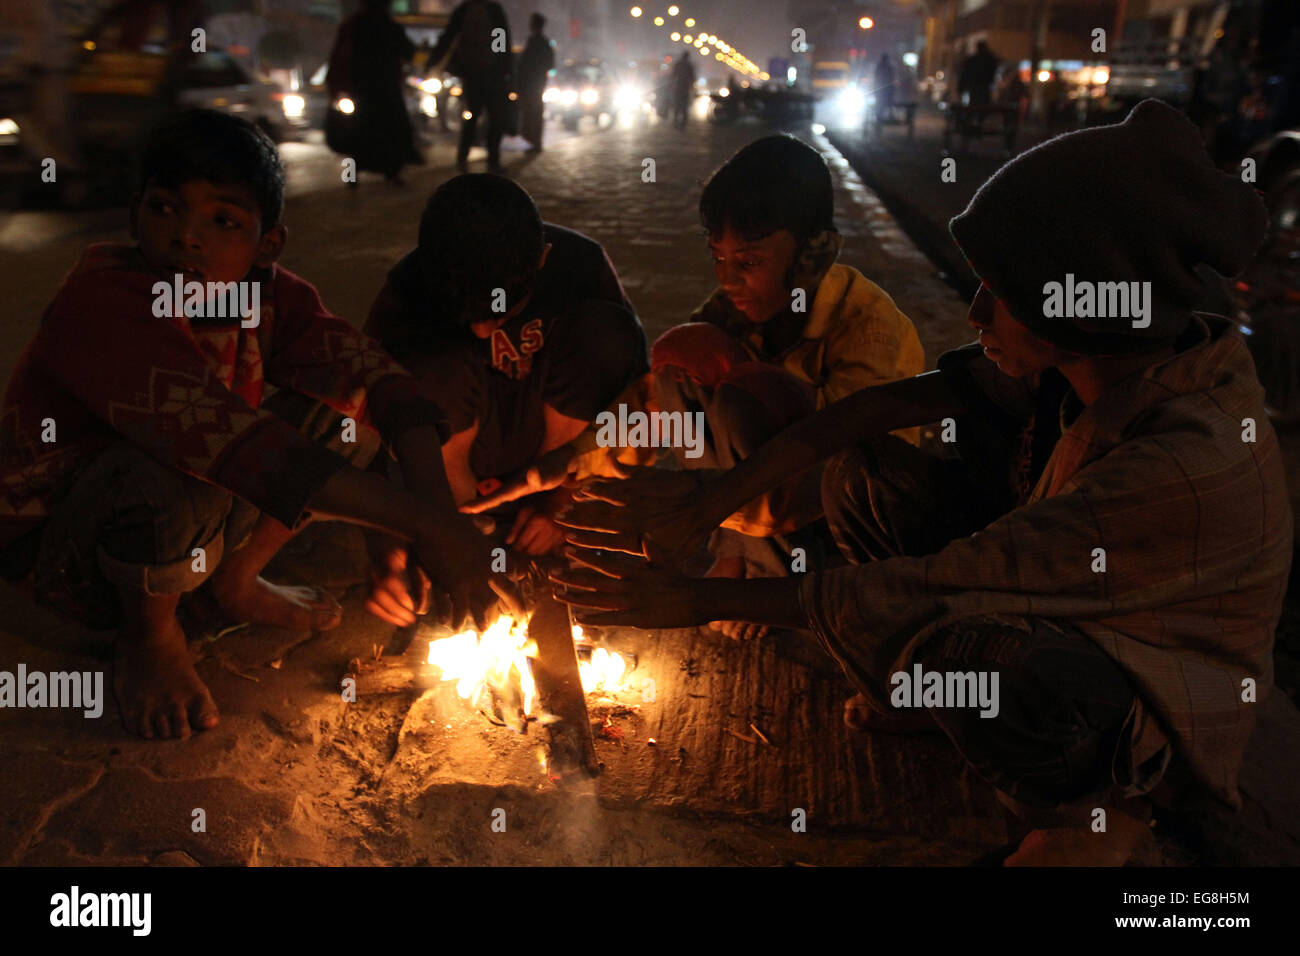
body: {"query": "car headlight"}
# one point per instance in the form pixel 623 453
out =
pixel 551 95
pixel 432 85
pixel 345 105
pixel 569 97
pixel 589 96
pixel 294 105
pixel 852 100
pixel 428 105
pixel 8 127
pixel 627 98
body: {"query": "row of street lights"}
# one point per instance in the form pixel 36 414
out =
pixel 706 43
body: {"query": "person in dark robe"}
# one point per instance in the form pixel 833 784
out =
pixel 366 66
pixel 534 65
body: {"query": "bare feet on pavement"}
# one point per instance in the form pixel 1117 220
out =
pixel 736 630
pixel 159 693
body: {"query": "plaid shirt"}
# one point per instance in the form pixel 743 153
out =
pixel 1195 523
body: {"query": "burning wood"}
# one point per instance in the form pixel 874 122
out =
pixel 560 687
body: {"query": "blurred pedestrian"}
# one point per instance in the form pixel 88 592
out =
pixel 366 66
pixel 683 84
pixel 535 65
pixel 975 81
pixel 884 88
pixel 1013 91
pixel 478 41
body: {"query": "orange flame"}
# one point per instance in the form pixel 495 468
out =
pixel 481 663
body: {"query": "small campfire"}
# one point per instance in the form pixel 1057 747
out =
pixel 516 673
pixel 497 666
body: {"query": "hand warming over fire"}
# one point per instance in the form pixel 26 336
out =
pixel 610 588
pixel 535 532
pixel 390 589
pixel 549 471
pixel 615 514
pixel 613 589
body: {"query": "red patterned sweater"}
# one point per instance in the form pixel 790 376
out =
pixel 187 391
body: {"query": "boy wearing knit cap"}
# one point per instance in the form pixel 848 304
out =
pixel 1114 543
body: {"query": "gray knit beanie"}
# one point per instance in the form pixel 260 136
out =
pixel 1138 202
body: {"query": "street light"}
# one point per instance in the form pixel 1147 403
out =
pixel 690 21
pixel 673 10
pixel 636 11
pixel 659 21
pixel 866 23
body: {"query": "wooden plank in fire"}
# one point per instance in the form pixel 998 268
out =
pixel 559 689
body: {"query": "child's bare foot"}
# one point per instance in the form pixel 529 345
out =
pixel 158 691
pixel 258 601
pixel 736 630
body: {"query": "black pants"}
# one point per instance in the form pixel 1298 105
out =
pixel 1062 701
pixel 483 94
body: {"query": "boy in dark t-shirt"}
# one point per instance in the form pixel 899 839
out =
pixel 518 329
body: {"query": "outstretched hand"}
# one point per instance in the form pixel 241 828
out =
pixel 618 514
pixel 616 589
pixel 549 471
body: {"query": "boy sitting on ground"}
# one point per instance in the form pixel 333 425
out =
pixel 1115 541
pixel 137 457
pixel 519 330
